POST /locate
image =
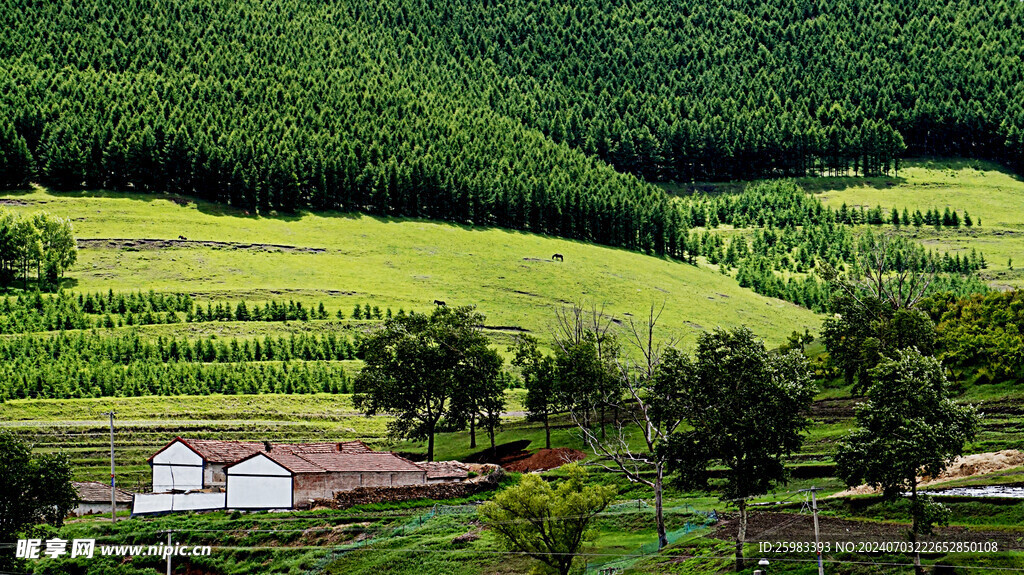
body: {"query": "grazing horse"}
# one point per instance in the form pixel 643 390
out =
pixel 182 238
pixel 557 258
pixel 438 302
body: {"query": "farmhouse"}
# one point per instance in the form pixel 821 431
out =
pixel 279 479
pixel 94 497
pixel 194 474
pixel 190 464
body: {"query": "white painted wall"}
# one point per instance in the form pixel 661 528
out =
pixel 97 507
pixel 162 502
pixel 178 453
pixel 151 503
pixel 176 477
pixel 258 483
pixel 259 465
pixel 177 468
pixel 255 492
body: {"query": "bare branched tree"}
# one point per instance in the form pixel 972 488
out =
pixel 586 352
pixel 896 271
pixel 575 324
pixel 646 405
pixel 890 269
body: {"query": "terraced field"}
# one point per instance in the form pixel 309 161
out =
pixel 80 427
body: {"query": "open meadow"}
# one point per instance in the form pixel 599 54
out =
pixel 131 242
pixel 992 195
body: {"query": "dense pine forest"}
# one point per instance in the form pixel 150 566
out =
pixel 527 114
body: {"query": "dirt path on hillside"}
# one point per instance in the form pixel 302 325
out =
pixel 156 244
pixel 845 407
pixel 964 466
pixel 831 410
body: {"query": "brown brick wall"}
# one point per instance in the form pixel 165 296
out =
pixel 308 486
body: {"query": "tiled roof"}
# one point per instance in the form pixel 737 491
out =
pixel 348 456
pixel 218 451
pixel 94 491
pixel 293 462
pixel 354 447
pixel 344 447
pixel 358 462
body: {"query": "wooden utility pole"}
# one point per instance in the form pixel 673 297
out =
pixel 113 484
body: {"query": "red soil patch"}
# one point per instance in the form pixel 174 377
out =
pixel 542 460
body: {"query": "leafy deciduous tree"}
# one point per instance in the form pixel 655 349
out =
pixel 34 489
pixel 908 426
pixel 747 409
pixel 418 366
pixel 550 524
pixel 538 372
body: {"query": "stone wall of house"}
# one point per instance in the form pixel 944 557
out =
pixel 214 476
pixel 366 495
pixel 315 486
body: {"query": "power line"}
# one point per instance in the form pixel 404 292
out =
pixel 581 554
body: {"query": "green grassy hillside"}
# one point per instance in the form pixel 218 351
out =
pixel 343 259
pixel 990 193
pixel 130 242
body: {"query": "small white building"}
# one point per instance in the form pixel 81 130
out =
pixel 265 481
pixel 94 497
pixel 281 479
pixel 203 474
pixel 177 467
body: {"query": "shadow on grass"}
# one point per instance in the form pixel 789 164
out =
pixel 14 193
pixel 819 184
pixel 956 164
pixel 19 287
pixel 840 183
pixel 813 184
pixel 207 207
